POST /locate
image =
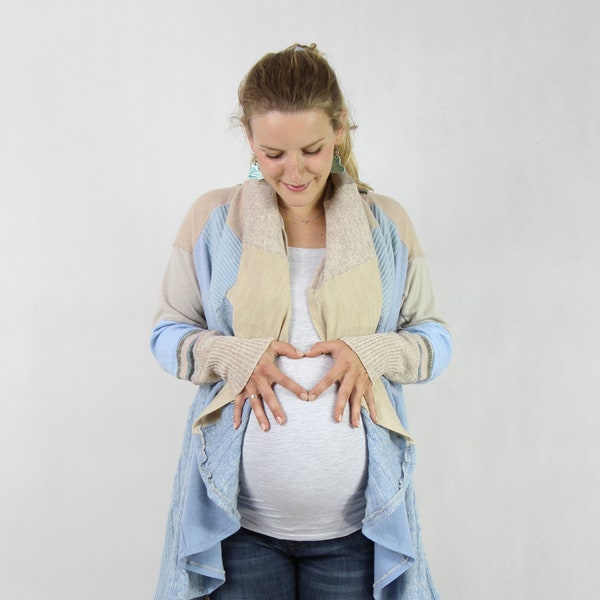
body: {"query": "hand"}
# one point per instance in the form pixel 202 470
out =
pixel 259 388
pixel 354 381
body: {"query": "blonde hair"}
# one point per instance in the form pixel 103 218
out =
pixel 298 79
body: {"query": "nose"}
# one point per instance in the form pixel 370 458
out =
pixel 295 168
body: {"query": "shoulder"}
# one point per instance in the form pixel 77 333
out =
pixel 205 207
pixel 390 212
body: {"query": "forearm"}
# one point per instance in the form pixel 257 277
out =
pixel 402 357
pixel 421 346
pixel 218 357
pixel 182 341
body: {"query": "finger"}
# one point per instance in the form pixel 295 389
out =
pixel 289 384
pixel 347 393
pixel 355 403
pixel 320 348
pixel 368 395
pixel 238 405
pixel 267 374
pixel 259 412
pixel 270 399
pixel 340 405
pixel 330 378
pixel 335 375
pixel 285 349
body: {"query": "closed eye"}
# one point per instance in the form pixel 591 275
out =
pixel 308 152
pixel 312 152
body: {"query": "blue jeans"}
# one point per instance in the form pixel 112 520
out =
pixel 259 567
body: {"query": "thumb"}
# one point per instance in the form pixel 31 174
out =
pixel 318 349
pixel 285 349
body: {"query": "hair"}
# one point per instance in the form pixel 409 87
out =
pixel 296 79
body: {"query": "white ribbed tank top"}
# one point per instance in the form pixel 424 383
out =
pixel 304 480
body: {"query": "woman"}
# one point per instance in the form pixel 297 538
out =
pixel 301 298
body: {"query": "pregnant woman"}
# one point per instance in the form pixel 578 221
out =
pixel 299 302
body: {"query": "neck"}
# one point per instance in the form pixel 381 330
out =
pixel 305 214
pixel 302 217
pixel 304 228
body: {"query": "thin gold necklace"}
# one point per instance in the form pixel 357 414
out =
pixel 302 221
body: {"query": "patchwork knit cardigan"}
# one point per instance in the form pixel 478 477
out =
pixel 226 296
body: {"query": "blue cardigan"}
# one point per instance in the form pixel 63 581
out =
pixel 197 300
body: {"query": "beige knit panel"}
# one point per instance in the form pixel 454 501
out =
pixel 196 218
pixel 261 221
pixel 401 220
pixel 261 295
pixel 180 298
pixel 212 413
pixel 386 415
pixel 418 303
pixel 348 304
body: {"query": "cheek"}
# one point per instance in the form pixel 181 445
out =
pixel 271 169
pixel 320 165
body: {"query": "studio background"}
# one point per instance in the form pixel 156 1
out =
pixel 480 117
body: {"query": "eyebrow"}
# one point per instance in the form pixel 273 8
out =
pixel 270 148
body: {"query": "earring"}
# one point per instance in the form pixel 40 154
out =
pixel 255 170
pixel 336 164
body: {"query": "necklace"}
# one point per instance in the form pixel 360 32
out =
pixel 302 221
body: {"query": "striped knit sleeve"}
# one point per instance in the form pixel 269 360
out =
pixel 420 348
pixel 401 357
pixel 210 357
pixel 184 345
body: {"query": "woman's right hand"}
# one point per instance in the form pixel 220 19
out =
pixel 259 388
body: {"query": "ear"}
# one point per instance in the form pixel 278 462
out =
pixel 249 137
pixel 339 134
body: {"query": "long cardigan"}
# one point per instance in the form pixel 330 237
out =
pixel 226 296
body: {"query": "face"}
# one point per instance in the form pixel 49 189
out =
pixel 294 153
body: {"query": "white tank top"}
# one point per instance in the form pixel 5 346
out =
pixel 304 480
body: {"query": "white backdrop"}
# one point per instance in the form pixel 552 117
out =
pixel 481 117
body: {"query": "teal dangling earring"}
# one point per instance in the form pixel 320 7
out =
pixel 336 163
pixel 255 170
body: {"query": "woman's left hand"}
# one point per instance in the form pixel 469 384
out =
pixel 349 372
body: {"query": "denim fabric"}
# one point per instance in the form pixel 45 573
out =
pixel 260 567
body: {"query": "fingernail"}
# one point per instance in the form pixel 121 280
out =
pixel 340 418
pixel 311 397
pixel 304 397
pixel 263 426
pixel 279 420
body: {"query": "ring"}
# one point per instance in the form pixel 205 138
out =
pixel 253 396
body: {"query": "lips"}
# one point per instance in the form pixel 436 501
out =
pixel 295 188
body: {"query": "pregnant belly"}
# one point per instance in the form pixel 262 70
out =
pixel 304 480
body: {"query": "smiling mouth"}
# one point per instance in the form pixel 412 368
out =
pixel 296 188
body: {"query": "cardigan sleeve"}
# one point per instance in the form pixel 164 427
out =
pixel 420 348
pixel 181 340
